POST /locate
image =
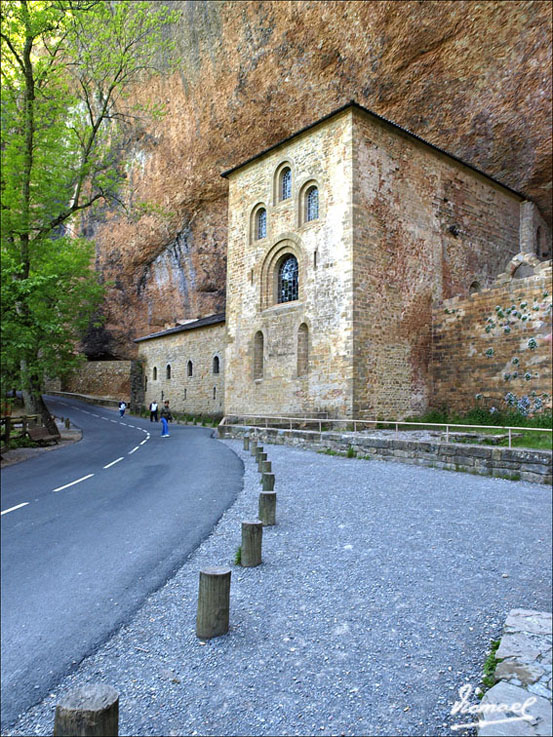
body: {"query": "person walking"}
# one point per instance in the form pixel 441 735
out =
pixel 122 408
pixel 153 412
pixel 166 417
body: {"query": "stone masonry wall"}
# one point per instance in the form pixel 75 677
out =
pixel 463 338
pixel 109 379
pixel 511 463
pixel 425 228
pixel 201 393
pixel 323 249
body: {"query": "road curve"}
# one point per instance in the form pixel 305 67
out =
pixel 90 530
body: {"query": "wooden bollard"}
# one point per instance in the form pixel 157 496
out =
pixel 261 458
pixel 252 534
pixel 258 450
pixel 267 508
pixel 268 480
pixel 265 468
pixel 67 423
pixel 246 442
pixel 253 447
pixel 90 711
pixel 213 602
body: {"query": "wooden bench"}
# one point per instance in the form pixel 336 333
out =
pixel 42 435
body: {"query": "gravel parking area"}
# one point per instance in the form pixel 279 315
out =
pixel 380 590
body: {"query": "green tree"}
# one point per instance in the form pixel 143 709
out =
pixel 69 68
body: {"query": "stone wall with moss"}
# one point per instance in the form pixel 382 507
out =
pixel 493 345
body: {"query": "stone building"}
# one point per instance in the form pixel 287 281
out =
pixel 341 240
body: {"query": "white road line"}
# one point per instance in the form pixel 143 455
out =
pixel 133 426
pixel 124 423
pixel 11 509
pixel 114 421
pixel 93 415
pixel 60 488
pixel 114 462
pixel 143 441
pixel 134 449
pixel 105 418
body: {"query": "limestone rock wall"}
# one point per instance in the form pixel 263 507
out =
pixel 473 78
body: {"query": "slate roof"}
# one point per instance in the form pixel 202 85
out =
pixel 202 322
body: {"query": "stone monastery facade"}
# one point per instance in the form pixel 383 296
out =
pixel 341 241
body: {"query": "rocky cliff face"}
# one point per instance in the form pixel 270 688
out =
pixel 471 77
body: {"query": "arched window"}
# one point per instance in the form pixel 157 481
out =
pixel 311 204
pixel 189 369
pixel 287 288
pixel 168 371
pixel 258 355
pixel 474 287
pixel 154 373
pixel 303 349
pixel 216 364
pixel 285 184
pixel 261 224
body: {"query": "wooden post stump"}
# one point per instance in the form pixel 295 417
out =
pixel 261 458
pixel 246 442
pixel 67 423
pixel 252 534
pixel 265 468
pixel 90 711
pixel 213 602
pixel 253 447
pixel 268 480
pixel 258 450
pixel 267 508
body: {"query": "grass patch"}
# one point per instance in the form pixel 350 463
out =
pixel 480 416
pixel 490 664
pixel 238 556
pixel 351 453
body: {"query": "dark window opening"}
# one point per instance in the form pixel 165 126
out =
pixel 288 280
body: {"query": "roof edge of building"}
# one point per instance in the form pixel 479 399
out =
pixel 201 322
pixel 354 104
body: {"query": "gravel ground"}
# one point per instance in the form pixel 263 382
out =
pixel 380 590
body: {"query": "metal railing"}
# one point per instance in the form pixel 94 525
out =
pixel 266 420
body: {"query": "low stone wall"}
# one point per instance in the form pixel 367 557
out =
pixel 511 463
pixel 88 398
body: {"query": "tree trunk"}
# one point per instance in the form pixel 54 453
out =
pixel 35 404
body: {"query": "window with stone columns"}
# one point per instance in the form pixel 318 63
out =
pixel 258 355
pixel 303 349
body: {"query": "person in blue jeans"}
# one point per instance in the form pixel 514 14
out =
pixel 166 418
pixel 122 408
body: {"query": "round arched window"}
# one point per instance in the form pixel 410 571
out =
pixel 287 289
pixel 311 204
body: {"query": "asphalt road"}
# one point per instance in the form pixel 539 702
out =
pixel 105 522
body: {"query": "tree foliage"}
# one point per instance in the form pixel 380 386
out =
pixel 68 71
